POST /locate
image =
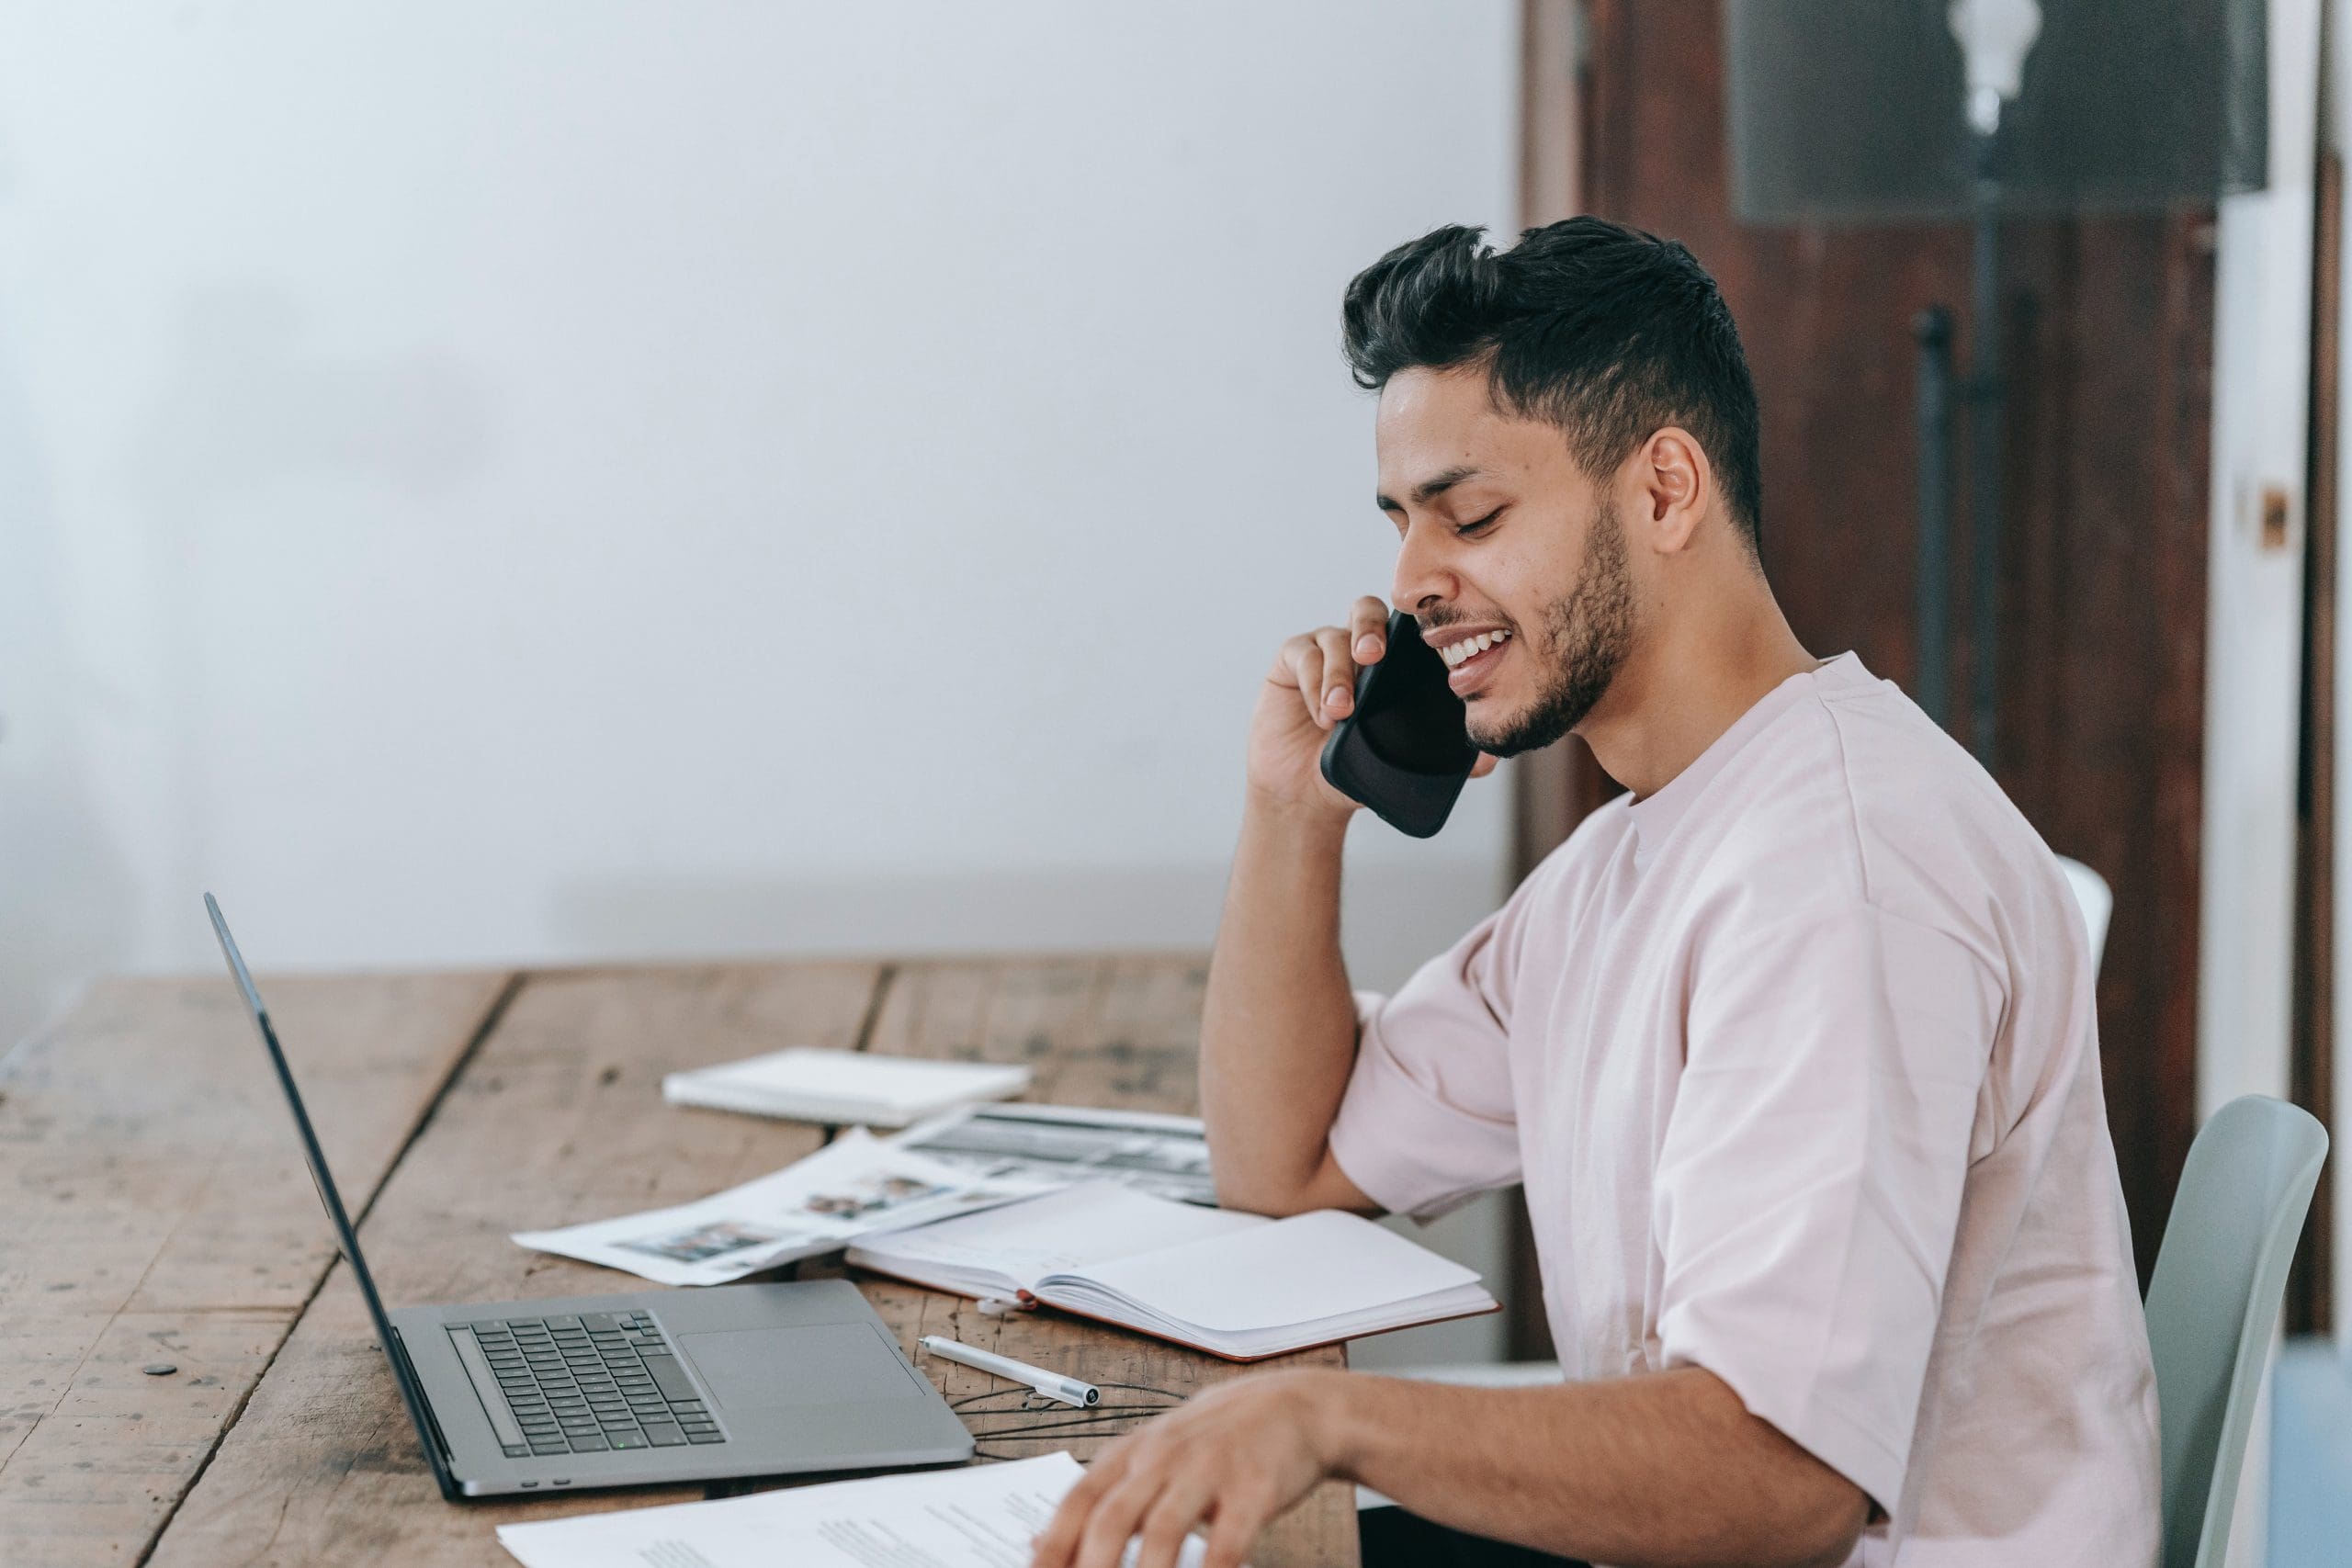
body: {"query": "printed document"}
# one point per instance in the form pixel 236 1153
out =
pixel 980 1517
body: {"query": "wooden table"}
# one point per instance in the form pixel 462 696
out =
pixel 157 1213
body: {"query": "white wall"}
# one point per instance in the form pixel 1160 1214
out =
pixel 549 480
pixel 2253 623
pixel 2337 129
pixel 2253 631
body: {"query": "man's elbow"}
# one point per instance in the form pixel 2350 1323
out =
pixel 1824 1529
pixel 1797 1511
pixel 1278 1194
pixel 1257 1196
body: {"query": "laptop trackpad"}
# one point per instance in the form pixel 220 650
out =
pixel 824 1363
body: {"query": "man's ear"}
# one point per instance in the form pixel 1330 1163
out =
pixel 1673 477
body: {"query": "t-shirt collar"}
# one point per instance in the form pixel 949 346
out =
pixel 1657 815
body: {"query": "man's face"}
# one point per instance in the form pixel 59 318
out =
pixel 1502 535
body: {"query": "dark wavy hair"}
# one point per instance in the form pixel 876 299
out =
pixel 1605 332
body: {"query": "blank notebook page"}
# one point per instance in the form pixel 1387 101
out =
pixel 1302 1270
pixel 1073 1230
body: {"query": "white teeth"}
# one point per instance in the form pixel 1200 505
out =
pixel 1469 647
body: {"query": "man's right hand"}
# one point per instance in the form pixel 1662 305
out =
pixel 1311 687
pixel 1278 1025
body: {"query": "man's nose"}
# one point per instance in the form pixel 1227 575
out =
pixel 1423 576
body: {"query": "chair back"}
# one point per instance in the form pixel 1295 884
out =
pixel 2097 899
pixel 2213 1301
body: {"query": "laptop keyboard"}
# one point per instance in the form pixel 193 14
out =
pixel 585 1384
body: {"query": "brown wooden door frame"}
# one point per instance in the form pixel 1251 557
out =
pixel 1552 789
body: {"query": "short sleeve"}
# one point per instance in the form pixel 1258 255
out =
pixel 1426 1119
pixel 1809 1185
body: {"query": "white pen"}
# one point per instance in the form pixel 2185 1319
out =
pixel 1053 1385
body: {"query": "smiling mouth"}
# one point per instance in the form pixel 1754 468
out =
pixel 1460 653
pixel 1467 662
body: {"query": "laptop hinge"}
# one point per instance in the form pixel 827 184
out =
pixel 444 1456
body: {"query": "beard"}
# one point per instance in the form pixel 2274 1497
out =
pixel 1584 636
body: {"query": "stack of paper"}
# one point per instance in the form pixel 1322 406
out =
pixel 984 1517
pixel 843 1088
pixel 1236 1285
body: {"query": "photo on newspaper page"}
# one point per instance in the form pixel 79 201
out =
pixel 853 1187
pixel 1059 1145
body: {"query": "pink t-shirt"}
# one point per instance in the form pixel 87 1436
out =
pixel 1798 1062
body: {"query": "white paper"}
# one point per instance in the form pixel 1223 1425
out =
pixel 980 1517
pixel 813 1085
pixel 855 1186
pixel 1167 1157
pixel 1063 1232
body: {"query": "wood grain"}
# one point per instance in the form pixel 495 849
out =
pixel 557 1119
pixel 1138 1376
pixel 1121 1031
pixel 561 1104
pixel 159 1213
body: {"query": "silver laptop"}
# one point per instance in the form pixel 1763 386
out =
pixel 652 1386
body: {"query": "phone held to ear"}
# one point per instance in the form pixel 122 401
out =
pixel 1403 750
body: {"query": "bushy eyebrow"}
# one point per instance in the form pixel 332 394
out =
pixel 1429 489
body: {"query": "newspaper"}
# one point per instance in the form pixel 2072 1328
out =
pixel 853 1187
pixel 1056 1145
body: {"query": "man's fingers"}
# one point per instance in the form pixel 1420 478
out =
pixel 1240 1515
pixel 1054 1547
pixel 1171 1518
pixel 1117 1517
pixel 1339 674
pixel 1054 1544
pixel 1323 663
pixel 1368 629
pixel 1306 672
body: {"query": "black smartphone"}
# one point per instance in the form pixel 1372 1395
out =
pixel 1404 751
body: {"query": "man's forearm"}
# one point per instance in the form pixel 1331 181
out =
pixel 1278 1026
pixel 1660 1469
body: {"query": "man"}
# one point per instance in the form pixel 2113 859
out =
pixel 1793 1046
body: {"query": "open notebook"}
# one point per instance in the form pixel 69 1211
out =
pixel 1236 1285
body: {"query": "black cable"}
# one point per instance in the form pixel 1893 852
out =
pixel 1066 1421
pixel 1082 1424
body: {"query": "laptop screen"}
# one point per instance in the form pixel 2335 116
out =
pixel 346 1236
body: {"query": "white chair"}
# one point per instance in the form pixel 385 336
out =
pixel 2213 1301
pixel 2097 902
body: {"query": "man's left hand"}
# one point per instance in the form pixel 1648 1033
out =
pixel 1232 1460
